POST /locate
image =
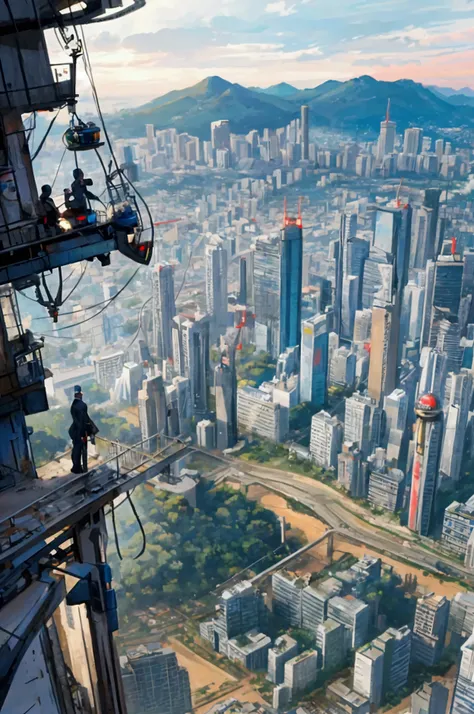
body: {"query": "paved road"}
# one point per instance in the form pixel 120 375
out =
pixel 337 510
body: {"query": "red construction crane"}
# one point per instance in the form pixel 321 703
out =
pixel 165 223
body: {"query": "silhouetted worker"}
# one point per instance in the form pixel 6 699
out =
pixel 49 207
pixel 79 195
pixel 82 426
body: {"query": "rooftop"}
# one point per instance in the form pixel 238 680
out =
pixel 251 641
pixel 353 605
pixel 238 589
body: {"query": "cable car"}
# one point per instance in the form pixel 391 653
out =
pixel 82 137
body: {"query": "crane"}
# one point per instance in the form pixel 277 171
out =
pixel 165 223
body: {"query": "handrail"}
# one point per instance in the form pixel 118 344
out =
pixel 77 479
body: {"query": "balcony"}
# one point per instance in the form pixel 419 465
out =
pixel 52 93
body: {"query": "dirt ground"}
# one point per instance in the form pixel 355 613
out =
pixel 244 693
pixel 201 673
pixel 313 528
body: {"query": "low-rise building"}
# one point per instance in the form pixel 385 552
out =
pixel 430 698
pixel 349 701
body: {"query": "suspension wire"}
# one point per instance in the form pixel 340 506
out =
pixel 114 526
pixel 76 284
pixel 59 166
pixel 140 315
pixel 42 142
pixel 140 524
pixel 69 327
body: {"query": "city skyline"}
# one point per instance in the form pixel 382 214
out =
pixel 165 47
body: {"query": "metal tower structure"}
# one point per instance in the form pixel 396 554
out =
pixel 53 536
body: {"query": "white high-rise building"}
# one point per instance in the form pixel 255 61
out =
pixel 386 140
pixel 326 440
pixel 257 413
pixel 413 140
pixel 429 630
pixel 206 434
pixel 216 283
pixel 108 369
pixel 362 325
pixel 362 422
pixel 455 426
pixel 191 339
pixel 463 702
pixel 301 671
pixel 368 673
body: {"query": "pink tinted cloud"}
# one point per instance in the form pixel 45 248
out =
pixel 455 70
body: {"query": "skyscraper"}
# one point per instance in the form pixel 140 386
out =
pixel 447 287
pixel 386 140
pixel 154 682
pixel 152 412
pixel 305 132
pixel 315 359
pixel 392 237
pixel 291 281
pixel 266 285
pixel 457 414
pixel 191 338
pixel 343 266
pixel 463 701
pixel 220 134
pixel 225 385
pixel 216 284
pixel 164 309
pixel 425 464
pixel 412 140
pixel 350 302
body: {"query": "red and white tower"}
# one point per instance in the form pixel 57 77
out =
pixel 425 464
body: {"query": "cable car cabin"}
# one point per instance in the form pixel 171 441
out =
pixel 82 137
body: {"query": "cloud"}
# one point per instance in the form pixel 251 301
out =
pixel 280 8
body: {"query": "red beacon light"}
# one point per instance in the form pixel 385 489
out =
pixel 427 406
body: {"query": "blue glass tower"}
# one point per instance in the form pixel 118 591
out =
pixel 291 282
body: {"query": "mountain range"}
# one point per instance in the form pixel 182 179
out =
pixel 358 104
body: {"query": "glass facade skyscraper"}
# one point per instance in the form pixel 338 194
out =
pixel 291 282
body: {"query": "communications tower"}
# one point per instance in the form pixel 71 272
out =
pixel 428 432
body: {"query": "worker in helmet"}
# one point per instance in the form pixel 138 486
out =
pixel 49 207
pixel 82 427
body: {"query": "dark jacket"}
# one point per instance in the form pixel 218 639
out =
pixel 82 425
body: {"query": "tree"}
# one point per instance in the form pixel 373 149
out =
pixel 96 394
pixel 46 446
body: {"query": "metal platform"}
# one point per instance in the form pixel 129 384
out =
pixel 38 509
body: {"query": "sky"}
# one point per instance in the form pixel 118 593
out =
pixel 171 44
